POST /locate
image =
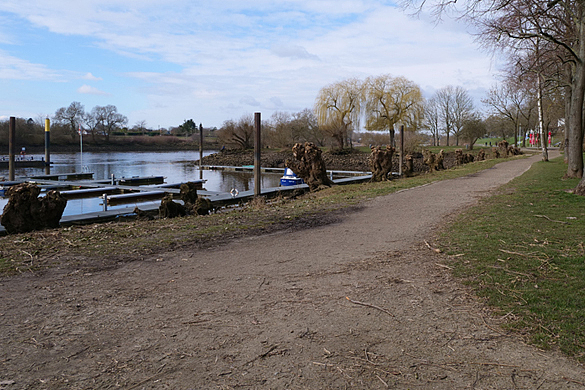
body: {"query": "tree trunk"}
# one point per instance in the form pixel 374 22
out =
pixel 543 140
pixel 392 139
pixel 575 130
pixel 568 97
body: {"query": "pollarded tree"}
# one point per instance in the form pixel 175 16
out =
pixel 338 109
pixel 390 100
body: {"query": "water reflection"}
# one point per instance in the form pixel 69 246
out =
pixel 176 167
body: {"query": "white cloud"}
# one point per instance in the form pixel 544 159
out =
pixel 13 68
pixel 180 59
pixel 89 76
pixel 89 90
pixel 293 51
pixel 249 101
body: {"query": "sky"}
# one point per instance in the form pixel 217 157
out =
pixel 164 62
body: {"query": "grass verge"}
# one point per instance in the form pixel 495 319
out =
pixel 522 250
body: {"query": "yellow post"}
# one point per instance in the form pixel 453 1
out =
pixel 47 146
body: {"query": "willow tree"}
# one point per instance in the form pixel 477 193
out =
pixel 391 100
pixel 338 109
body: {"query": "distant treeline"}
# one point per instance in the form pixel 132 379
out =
pixel 31 135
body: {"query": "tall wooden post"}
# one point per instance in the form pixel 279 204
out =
pixel 401 150
pixel 11 141
pixel 48 147
pixel 257 155
pixel 200 151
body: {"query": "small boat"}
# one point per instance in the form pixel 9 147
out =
pixel 290 179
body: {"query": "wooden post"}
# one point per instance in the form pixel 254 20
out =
pixel 200 151
pixel 48 147
pixel 401 150
pixel 257 155
pixel 11 141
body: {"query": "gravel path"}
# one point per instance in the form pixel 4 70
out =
pixel 359 304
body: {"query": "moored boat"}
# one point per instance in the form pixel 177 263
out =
pixel 290 179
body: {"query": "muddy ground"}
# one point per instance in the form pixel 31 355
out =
pixel 359 303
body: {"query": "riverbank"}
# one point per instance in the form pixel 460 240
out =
pixel 354 160
pixel 360 303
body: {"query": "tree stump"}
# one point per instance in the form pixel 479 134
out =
pixel 495 152
pixel 26 212
pixel 408 165
pixel 308 164
pixel 381 163
pixel 503 148
pixel 459 156
pixel 188 192
pixel 434 161
pixel 481 155
pixel 192 203
pixel 170 209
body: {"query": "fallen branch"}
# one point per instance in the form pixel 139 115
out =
pixel 262 356
pixel 370 305
pixel 433 249
pixel 443 266
pixel 552 220
pixel 513 253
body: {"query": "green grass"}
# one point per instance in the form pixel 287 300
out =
pixel 523 251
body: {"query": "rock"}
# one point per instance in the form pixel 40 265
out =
pixel 26 212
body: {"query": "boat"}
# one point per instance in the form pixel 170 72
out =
pixel 290 179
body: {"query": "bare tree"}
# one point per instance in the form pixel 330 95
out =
pixel 108 120
pixel 462 110
pixel 474 127
pixel 509 100
pixel 240 132
pixel 433 119
pixel 514 25
pixel 306 128
pixel 72 115
pixel 140 126
pixel 453 106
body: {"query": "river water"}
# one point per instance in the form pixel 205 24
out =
pixel 176 167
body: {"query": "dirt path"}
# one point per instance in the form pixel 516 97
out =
pixel 272 312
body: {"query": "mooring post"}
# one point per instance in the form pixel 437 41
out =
pixel 200 151
pixel 257 155
pixel 11 141
pixel 401 150
pixel 47 146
